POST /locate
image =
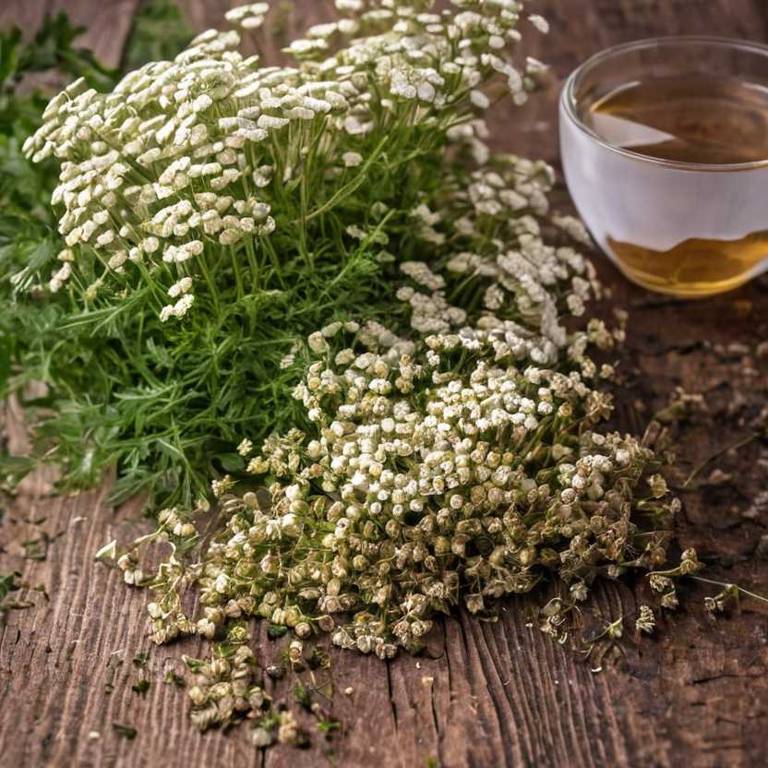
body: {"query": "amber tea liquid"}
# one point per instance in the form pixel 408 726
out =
pixel 684 231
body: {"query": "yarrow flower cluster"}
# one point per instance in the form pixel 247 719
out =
pixel 488 236
pixel 185 157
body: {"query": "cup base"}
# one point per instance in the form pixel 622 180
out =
pixel 683 291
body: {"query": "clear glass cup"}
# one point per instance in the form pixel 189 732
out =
pixel 684 228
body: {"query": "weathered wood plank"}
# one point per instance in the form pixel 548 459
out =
pixel 106 23
pixel 494 694
pixel 27 16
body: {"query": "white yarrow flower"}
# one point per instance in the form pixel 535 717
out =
pixel 479 99
pixel 541 24
pixel 182 286
pixel 352 159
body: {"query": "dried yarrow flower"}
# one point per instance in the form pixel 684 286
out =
pixel 438 470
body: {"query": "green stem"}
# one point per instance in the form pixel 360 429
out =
pixel 726 585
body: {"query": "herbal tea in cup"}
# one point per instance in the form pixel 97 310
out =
pixel 665 150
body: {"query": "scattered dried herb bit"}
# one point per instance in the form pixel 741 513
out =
pixel 193 665
pixel 141 686
pixel 276 630
pixel 36 549
pixel 40 588
pixel 112 665
pixel 318 659
pixel 328 726
pixel 8 583
pixel 303 696
pixel 172 678
pixel 140 660
pixel 126 731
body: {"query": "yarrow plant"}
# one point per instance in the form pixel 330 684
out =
pixel 215 211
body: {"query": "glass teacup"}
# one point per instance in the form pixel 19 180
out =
pixel 664 145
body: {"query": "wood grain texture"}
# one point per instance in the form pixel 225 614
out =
pixel 497 694
pixel 106 22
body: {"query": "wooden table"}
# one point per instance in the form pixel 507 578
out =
pixel 696 693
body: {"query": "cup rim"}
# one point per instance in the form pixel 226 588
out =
pixel 568 101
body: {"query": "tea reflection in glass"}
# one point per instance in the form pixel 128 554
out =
pixel 665 151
